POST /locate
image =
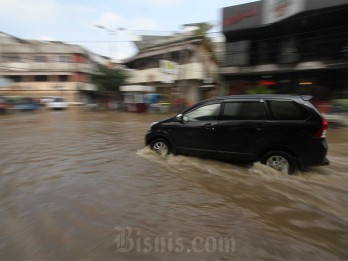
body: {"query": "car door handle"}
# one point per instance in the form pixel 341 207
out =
pixel 260 127
pixel 209 126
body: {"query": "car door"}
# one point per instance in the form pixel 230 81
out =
pixel 242 130
pixel 289 126
pixel 195 133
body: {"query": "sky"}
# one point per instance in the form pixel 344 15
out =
pixel 76 21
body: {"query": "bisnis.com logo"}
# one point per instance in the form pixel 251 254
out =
pixel 127 240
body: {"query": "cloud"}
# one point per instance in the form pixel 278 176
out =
pixel 29 10
pixel 110 20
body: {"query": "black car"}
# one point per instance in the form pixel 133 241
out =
pixel 282 131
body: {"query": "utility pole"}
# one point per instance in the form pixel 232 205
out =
pixel 111 32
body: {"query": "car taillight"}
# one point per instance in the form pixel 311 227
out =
pixel 321 134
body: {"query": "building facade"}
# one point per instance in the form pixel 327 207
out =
pixel 287 46
pixel 180 67
pixel 45 68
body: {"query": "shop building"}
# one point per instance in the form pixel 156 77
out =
pixel 180 67
pixel 46 68
pixel 287 46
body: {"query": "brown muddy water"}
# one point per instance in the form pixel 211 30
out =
pixel 79 185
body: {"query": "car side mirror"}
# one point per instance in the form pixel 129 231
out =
pixel 180 118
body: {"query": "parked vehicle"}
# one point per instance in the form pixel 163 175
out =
pixel 22 103
pixel 281 131
pixel 3 105
pixel 46 99
pixel 57 103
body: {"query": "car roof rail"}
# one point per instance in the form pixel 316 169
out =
pixel 306 97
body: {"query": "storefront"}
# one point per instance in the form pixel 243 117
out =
pixel 134 97
pixel 287 46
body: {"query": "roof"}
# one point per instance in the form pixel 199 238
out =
pixel 148 40
pixel 153 41
pixel 153 45
pixel 12 44
pixel 162 49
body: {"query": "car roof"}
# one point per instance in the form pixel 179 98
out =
pixel 261 96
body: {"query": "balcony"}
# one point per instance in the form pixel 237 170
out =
pixel 191 71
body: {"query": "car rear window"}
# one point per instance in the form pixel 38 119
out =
pixel 244 111
pixel 287 110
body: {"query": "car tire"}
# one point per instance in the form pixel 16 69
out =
pixel 160 146
pixel 280 161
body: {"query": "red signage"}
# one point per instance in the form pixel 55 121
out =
pixel 237 18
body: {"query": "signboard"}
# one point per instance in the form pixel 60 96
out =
pixel 242 16
pixel 316 4
pixel 168 67
pixel 276 10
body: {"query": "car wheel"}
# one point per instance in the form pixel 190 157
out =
pixel 160 146
pixel 280 161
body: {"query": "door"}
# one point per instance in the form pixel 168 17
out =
pixel 242 130
pixel 196 133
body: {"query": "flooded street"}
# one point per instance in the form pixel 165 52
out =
pixel 79 185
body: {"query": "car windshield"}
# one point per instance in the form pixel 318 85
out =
pixel 58 100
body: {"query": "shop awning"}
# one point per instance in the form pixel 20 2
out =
pixel 208 86
pixel 266 68
pixel 310 65
pixel 137 88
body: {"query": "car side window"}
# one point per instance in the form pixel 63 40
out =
pixel 286 110
pixel 205 113
pixel 244 111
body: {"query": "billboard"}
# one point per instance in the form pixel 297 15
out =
pixel 242 16
pixel 276 10
pixel 318 4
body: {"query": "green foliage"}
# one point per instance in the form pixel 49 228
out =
pixel 203 28
pixel 202 31
pixel 260 89
pixel 109 79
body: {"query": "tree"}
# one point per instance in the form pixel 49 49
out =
pixel 109 79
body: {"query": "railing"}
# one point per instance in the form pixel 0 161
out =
pixel 185 72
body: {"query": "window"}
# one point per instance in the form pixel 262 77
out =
pixel 244 111
pixel 63 59
pixel 287 110
pixel 40 59
pixel 58 99
pixel 63 78
pixel 205 113
pixel 12 58
pixel 41 78
pixel 237 53
pixel 15 78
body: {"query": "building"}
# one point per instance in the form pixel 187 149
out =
pixel 287 46
pixel 180 67
pixel 46 68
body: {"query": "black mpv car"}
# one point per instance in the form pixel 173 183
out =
pixel 282 131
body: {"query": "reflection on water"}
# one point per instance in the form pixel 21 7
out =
pixel 68 178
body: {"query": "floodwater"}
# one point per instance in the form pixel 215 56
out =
pixel 79 185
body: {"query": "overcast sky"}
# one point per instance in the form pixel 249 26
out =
pixel 74 21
